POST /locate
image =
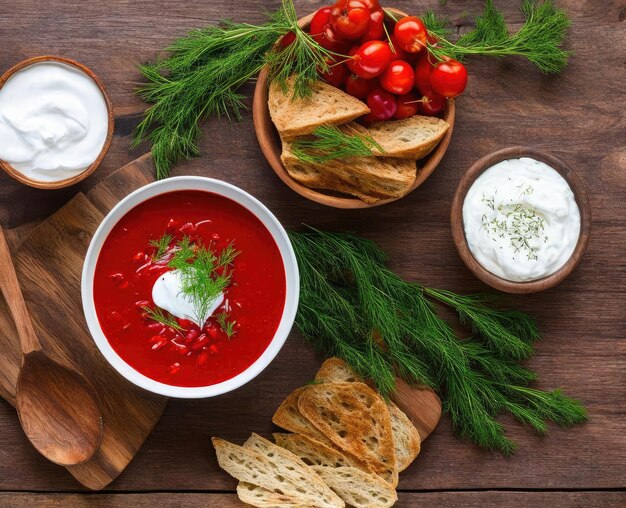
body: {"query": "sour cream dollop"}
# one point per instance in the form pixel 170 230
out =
pixel 168 295
pixel 53 121
pixel 521 220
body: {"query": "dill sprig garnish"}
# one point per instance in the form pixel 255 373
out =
pixel 329 142
pixel 519 224
pixel 159 316
pixel 161 245
pixel 226 324
pixel 204 276
pixel 201 75
pixel 353 306
pixel 538 40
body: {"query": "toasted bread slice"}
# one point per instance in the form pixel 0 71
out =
pixel 282 473
pixel 356 419
pixel 410 138
pixel 317 454
pixel 335 370
pixel 300 116
pixel 368 178
pixel 406 439
pixel 288 417
pixel 358 488
pixel 263 498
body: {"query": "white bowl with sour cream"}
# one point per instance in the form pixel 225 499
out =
pixel 520 220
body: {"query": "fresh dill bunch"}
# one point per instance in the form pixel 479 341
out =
pixel 354 307
pixel 161 245
pixel 159 316
pixel 204 276
pixel 329 142
pixel 435 24
pixel 538 40
pixel 201 74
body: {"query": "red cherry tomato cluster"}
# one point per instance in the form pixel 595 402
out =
pixel 396 76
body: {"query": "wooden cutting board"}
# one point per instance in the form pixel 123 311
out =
pixel 49 264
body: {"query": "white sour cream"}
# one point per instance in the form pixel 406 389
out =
pixel 53 121
pixel 521 220
pixel 167 294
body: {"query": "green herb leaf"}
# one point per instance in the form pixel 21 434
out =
pixel 330 142
pixel 159 316
pixel 354 307
pixel 227 326
pixel 204 276
pixel 161 245
pixel 539 39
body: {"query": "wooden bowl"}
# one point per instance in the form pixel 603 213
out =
pixel 271 146
pixel 458 232
pixel 107 143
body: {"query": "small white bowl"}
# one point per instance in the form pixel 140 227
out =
pixel 279 234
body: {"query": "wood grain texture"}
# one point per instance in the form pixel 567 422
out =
pixel 49 266
pixel 487 499
pixel 576 116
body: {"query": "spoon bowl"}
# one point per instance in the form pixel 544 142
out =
pixel 57 410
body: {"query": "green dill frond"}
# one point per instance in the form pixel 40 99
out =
pixel 539 39
pixel 159 316
pixel 329 142
pixel 161 245
pixel 227 326
pixel 201 281
pixel 354 307
pixel 435 24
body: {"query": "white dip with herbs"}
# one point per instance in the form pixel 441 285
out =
pixel 521 220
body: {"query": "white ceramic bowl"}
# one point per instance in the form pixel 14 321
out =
pixel 291 276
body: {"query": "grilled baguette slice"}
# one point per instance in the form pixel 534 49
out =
pixel 358 488
pixel 410 138
pixel 327 105
pixel 356 420
pixel 288 417
pixel 313 453
pixel 263 498
pixel 282 472
pixel 368 178
pixel 406 439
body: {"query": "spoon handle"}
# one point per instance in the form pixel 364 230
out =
pixel 10 288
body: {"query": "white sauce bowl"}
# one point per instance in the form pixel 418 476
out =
pixel 292 279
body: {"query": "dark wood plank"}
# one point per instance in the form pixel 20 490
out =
pixel 486 499
pixel 575 116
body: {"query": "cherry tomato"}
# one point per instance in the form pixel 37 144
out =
pixel 449 78
pixel 411 34
pixel 350 18
pixel 408 105
pixel 432 104
pixel 398 77
pixel 382 104
pixel 376 29
pixel 370 60
pixel 359 87
pixel 323 33
pixel 287 39
pixel 336 75
pixel 372 5
pixel 423 68
pixel 397 53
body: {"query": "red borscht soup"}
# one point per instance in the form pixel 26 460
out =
pixel 189 288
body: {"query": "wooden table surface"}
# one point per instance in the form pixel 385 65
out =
pixel 577 116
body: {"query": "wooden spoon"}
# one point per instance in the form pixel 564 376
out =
pixel 56 406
